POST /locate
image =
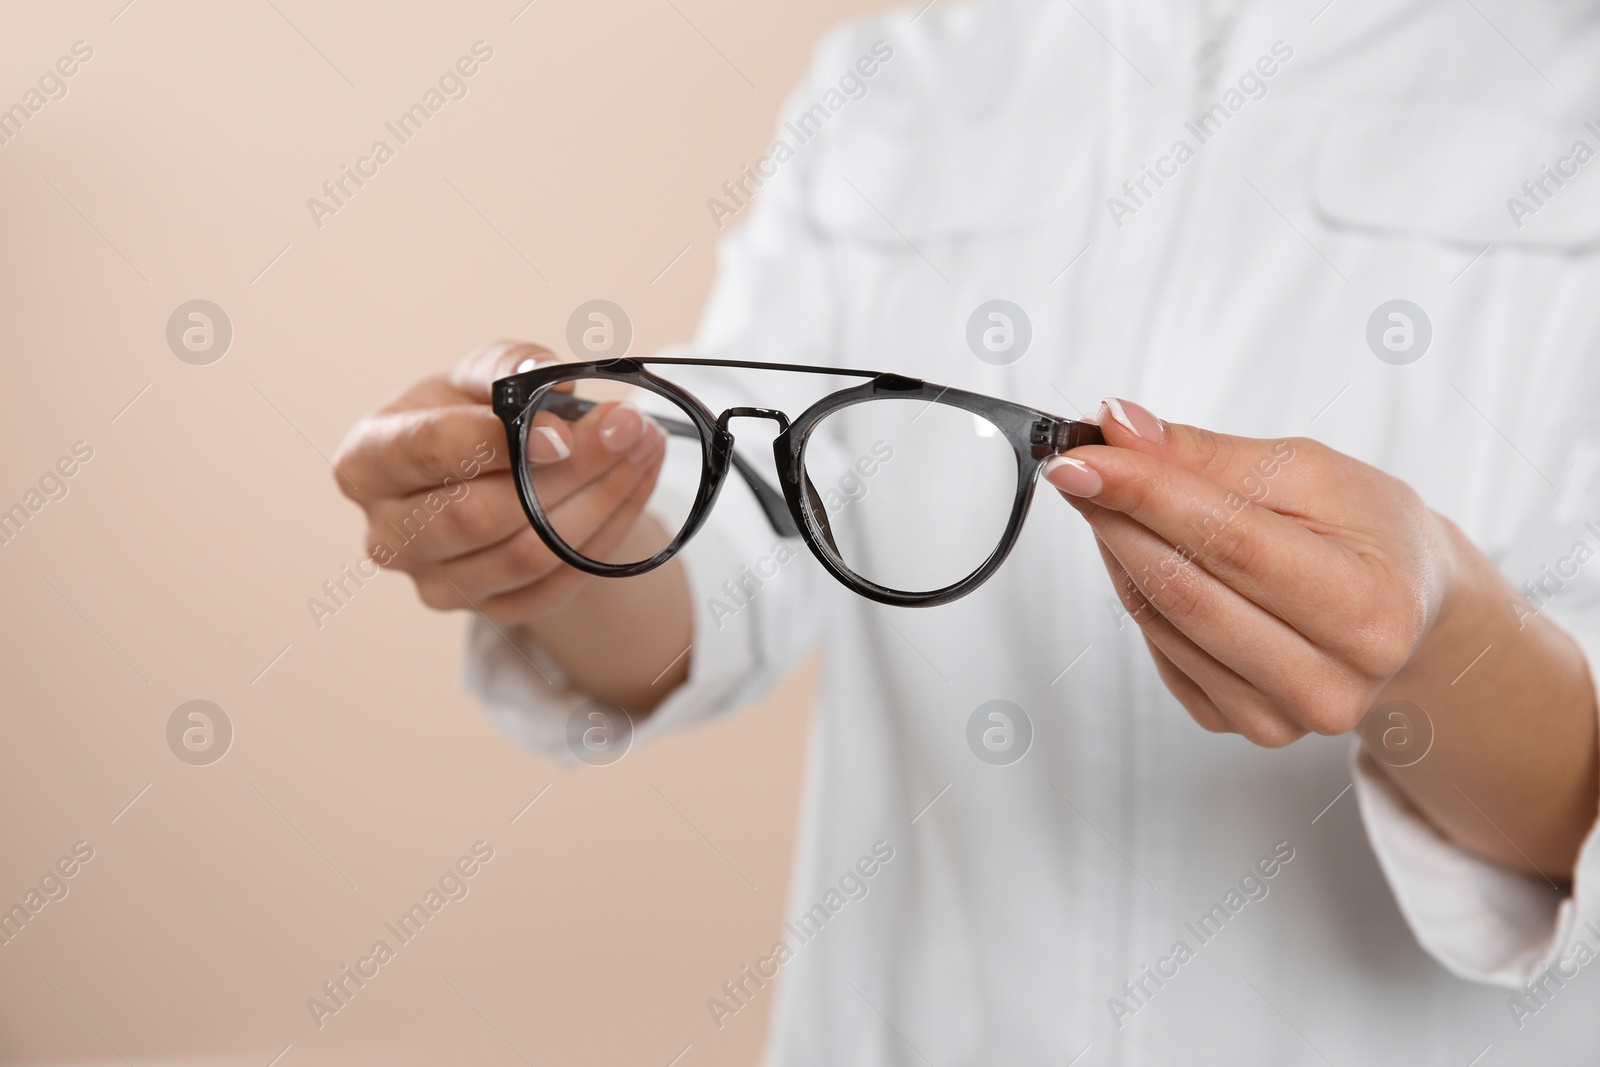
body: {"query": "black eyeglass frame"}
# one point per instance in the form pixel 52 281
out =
pixel 797 510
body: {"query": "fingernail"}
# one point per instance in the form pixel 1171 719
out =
pixel 1073 476
pixel 1136 420
pixel 649 441
pixel 535 361
pixel 621 427
pixel 546 446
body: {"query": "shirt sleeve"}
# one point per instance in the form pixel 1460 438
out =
pixel 1481 921
pixel 758 599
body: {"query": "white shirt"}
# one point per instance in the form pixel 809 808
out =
pixel 981 163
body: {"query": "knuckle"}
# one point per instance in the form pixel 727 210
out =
pixel 425 443
pixel 503 611
pixel 476 518
pixel 1203 712
pixel 1227 542
pixel 515 352
pixel 1329 705
pixel 529 556
pixel 379 552
pixel 355 442
pixel 1309 455
pixel 1214 455
pixel 1270 731
pixel 1133 601
pixel 1290 448
pixel 1176 595
pixel 436 594
pixel 497 358
pixel 1384 639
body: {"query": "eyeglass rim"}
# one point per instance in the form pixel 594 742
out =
pixel 1033 435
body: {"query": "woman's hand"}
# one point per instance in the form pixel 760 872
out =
pixel 1285 588
pixel 471 545
pixel 432 473
pixel 1280 584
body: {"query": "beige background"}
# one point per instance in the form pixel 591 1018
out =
pixel 180 563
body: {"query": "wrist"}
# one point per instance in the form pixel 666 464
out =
pixel 1469 604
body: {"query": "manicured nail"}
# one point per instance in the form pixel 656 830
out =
pixel 1136 420
pixel 546 446
pixel 621 427
pixel 526 365
pixel 649 441
pixel 1073 476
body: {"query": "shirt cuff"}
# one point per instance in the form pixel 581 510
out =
pixel 1481 921
pixel 529 697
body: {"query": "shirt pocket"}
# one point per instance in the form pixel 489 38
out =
pixel 1461 176
pixel 909 177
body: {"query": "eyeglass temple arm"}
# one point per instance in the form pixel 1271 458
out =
pixel 772 504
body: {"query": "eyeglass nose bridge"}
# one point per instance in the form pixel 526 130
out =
pixel 771 501
pixel 753 413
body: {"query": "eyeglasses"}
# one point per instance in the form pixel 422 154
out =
pixel 909 493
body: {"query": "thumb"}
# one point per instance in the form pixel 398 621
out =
pixel 475 375
pixel 1232 462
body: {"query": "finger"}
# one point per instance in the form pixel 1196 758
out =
pixel 626 486
pixel 518 563
pixel 434 391
pixel 399 453
pixel 1214 696
pixel 607 435
pixel 1261 674
pixel 469 518
pixel 551 583
pixel 550 439
pixel 595 525
pixel 520 560
pixel 498 359
pixel 1187 693
pixel 1269 558
pixel 1249 465
pixel 438 525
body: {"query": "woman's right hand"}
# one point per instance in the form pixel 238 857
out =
pixel 432 473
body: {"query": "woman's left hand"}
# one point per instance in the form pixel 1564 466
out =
pixel 1285 588
pixel 1279 584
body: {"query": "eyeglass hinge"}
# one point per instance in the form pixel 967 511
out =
pixel 1060 435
